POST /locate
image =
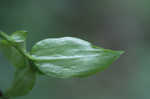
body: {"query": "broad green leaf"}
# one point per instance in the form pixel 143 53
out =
pixel 23 83
pixel 12 54
pixel 71 57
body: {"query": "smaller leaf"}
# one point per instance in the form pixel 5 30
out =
pixel 10 46
pixel 19 36
pixel 13 47
pixel 19 39
pixel 12 54
pixel 23 82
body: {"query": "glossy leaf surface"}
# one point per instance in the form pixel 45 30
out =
pixel 71 57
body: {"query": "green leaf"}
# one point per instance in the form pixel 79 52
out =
pixel 19 39
pixel 13 47
pixel 12 54
pixel 19 36
pixel 12 51
pixel 71 57
pixel 9 48
pixel 23 82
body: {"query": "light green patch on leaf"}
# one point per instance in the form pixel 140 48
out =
pixel 19 36
pixel 71 57
pixel 19 39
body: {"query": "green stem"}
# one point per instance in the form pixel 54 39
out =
pixel 12 42
pixel 19 49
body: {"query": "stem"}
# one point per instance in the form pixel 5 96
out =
pixel 20 49
pixel 24 53
pixel 12 42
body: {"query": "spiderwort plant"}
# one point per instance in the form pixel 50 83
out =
pixel 65 57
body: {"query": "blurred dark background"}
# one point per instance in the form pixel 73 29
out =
pixel 112 24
